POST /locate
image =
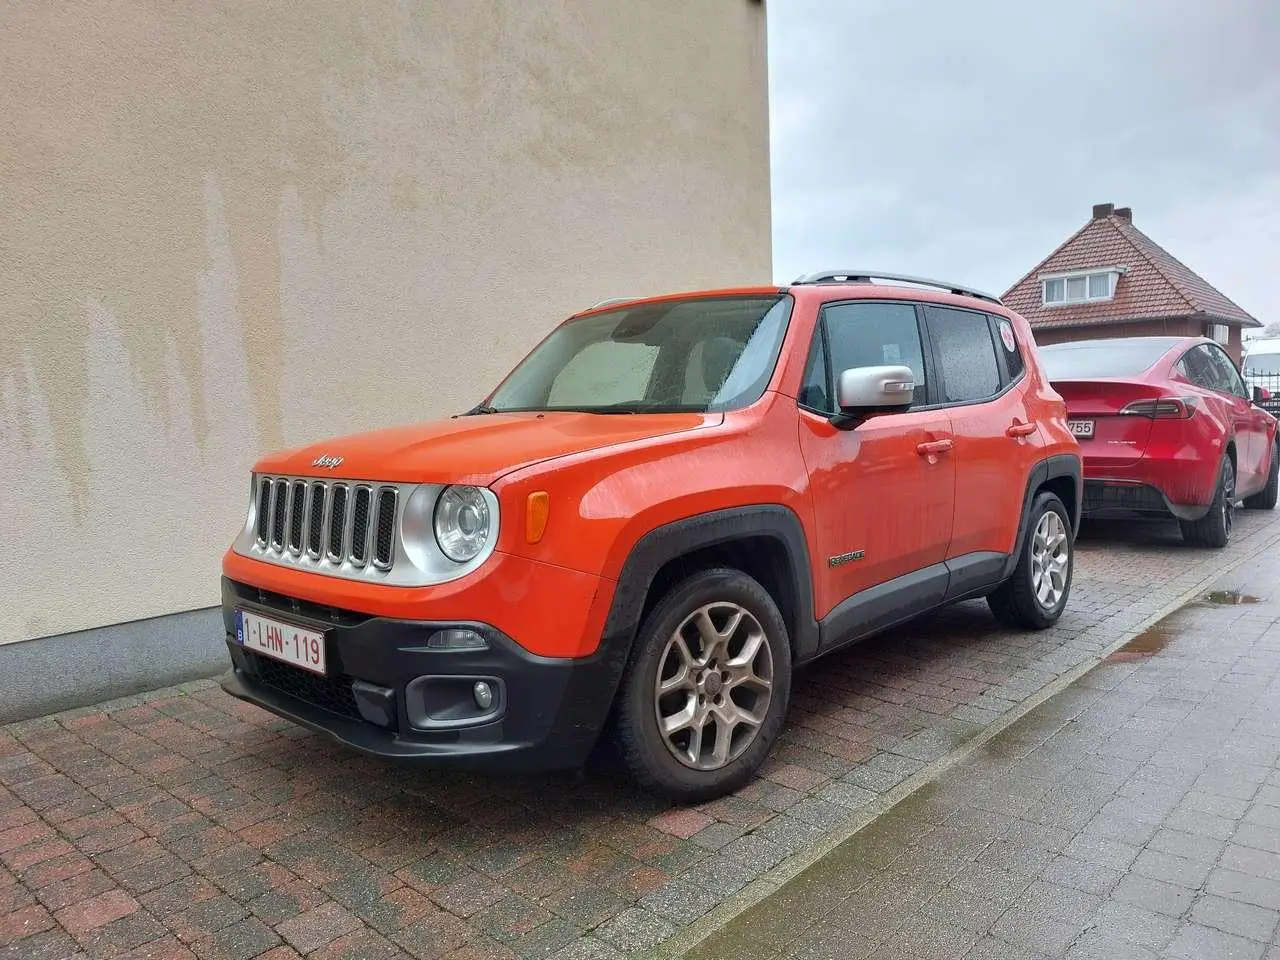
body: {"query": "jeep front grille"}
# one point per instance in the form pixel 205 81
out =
pixel 279 497
pixel 360 526
pixel 385 531
pixel 316 514
pixel 337 522
pixel 329 523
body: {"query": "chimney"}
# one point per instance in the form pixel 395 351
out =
pixel 1125 213
pixel 1103 210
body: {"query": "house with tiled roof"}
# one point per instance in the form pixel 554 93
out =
pixel 1109 279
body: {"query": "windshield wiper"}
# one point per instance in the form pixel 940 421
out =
pixel 628 406
pixel 642 406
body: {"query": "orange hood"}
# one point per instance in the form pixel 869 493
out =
pixel 476 449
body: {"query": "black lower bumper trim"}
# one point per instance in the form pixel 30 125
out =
pixel 1101 497
pixel 332 693
pixel 366 737
pixel 552 710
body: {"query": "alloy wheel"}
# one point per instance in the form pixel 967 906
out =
pixel 714 686
pixel 1050 557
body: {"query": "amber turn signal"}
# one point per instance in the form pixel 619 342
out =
pixel 537 509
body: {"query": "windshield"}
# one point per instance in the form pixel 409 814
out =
pixel 1263 363
pixel 698 354
pixel 1102 358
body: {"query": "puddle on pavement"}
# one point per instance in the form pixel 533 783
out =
pixel 1158 636
pixel 1003 747
pixel 1230 598
pixel 1148 643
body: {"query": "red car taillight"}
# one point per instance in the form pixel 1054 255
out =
pixel 1166 408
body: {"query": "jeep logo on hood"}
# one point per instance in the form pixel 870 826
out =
pixel 331 462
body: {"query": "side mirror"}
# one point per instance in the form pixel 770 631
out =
pixel 875 388
pixel 1260 394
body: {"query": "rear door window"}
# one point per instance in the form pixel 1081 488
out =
pixel 968 368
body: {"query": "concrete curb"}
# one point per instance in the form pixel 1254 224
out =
pixel 53 674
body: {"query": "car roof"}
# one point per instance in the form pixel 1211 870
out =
pixel 866 276
pixel 1167 342
pixel 1168 348
pixel 838 285
pixel 614 303
pixel 1268 345
pixel 857 290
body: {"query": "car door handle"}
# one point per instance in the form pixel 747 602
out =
pixel 933 446
pixel 1021 429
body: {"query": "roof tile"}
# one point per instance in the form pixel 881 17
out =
pixel 1156 285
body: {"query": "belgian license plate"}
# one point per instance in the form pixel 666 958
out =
pixel 1081 428
pixel 281 641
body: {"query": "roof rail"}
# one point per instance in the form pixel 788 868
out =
pixel 611 300
pixel 868 276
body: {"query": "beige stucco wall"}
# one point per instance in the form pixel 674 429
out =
pixel 231 226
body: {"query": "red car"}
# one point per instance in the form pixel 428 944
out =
pixel 1167 427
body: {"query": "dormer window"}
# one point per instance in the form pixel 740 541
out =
pixel 1083 286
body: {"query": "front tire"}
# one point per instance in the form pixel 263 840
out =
pixel 1265 499
pixel 705 691
pixel 1214 528
pixel 1035 596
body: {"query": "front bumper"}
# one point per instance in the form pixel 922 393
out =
pixel 385 691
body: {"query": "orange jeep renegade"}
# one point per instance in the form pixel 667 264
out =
pixel 666 508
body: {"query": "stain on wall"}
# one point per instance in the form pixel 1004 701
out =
pixel 233 226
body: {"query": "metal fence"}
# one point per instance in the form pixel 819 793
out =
pixel 1268 381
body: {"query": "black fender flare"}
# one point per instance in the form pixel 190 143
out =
pixel 1050 468
pixel 682 537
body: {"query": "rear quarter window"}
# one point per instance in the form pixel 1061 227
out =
pixel 1009 348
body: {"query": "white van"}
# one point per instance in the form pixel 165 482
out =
pixel 1261 367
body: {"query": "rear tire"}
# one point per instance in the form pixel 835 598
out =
pixel 1265 499
pixel 706 687
pixel 1035 596
pixel 1214 528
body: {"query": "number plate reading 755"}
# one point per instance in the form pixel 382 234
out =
pixel 1081 428
pixel 282 641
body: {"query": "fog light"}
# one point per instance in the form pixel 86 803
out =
pixel 449 701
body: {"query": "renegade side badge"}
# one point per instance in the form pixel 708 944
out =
pixel 846 558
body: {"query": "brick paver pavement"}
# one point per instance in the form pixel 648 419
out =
pixel 188 824
pixel 1134 816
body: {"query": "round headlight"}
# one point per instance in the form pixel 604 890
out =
pixel 462 523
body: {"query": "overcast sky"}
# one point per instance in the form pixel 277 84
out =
pixel 967 140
